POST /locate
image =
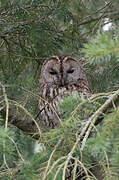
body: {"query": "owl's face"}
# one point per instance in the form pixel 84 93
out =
pixel 61 71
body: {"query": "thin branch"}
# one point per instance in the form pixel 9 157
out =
pixel 91 121
pixel 49 161
pixel 7 105
pixel 55 163
pixel 56 174
pixel 17 149
pixel 69 156
pixel 25 110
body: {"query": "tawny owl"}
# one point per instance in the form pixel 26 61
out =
pixel 60 76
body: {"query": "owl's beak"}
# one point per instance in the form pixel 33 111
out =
pixel 62 82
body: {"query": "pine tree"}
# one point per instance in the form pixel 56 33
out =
pixel 31 31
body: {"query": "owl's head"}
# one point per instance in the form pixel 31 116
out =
pixel 61 71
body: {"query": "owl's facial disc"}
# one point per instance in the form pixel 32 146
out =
pixel 55 75
pixel 71 71
pixel 51 73
pixel 61 72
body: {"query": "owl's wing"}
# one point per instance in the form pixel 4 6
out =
pixel 83 87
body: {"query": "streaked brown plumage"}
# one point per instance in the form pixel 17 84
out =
pixel 60 76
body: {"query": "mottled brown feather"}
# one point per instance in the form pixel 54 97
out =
pixel 55 86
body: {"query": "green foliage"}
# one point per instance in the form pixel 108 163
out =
pixel 104 145
pixel 6 145
pixel 71 102
pixel 102 48
pixel 106 139
pixel 31 31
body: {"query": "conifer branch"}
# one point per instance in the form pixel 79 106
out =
pixel 91 121
pixel 49 161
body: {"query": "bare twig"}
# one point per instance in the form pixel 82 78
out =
pixel 91 121
pixel 17 149
pixel 49 161
pixel 25 110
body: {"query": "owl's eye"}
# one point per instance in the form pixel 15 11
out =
pixel 70 71
pixel 52 72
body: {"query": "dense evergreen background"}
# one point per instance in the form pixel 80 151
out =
pixel 31 31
